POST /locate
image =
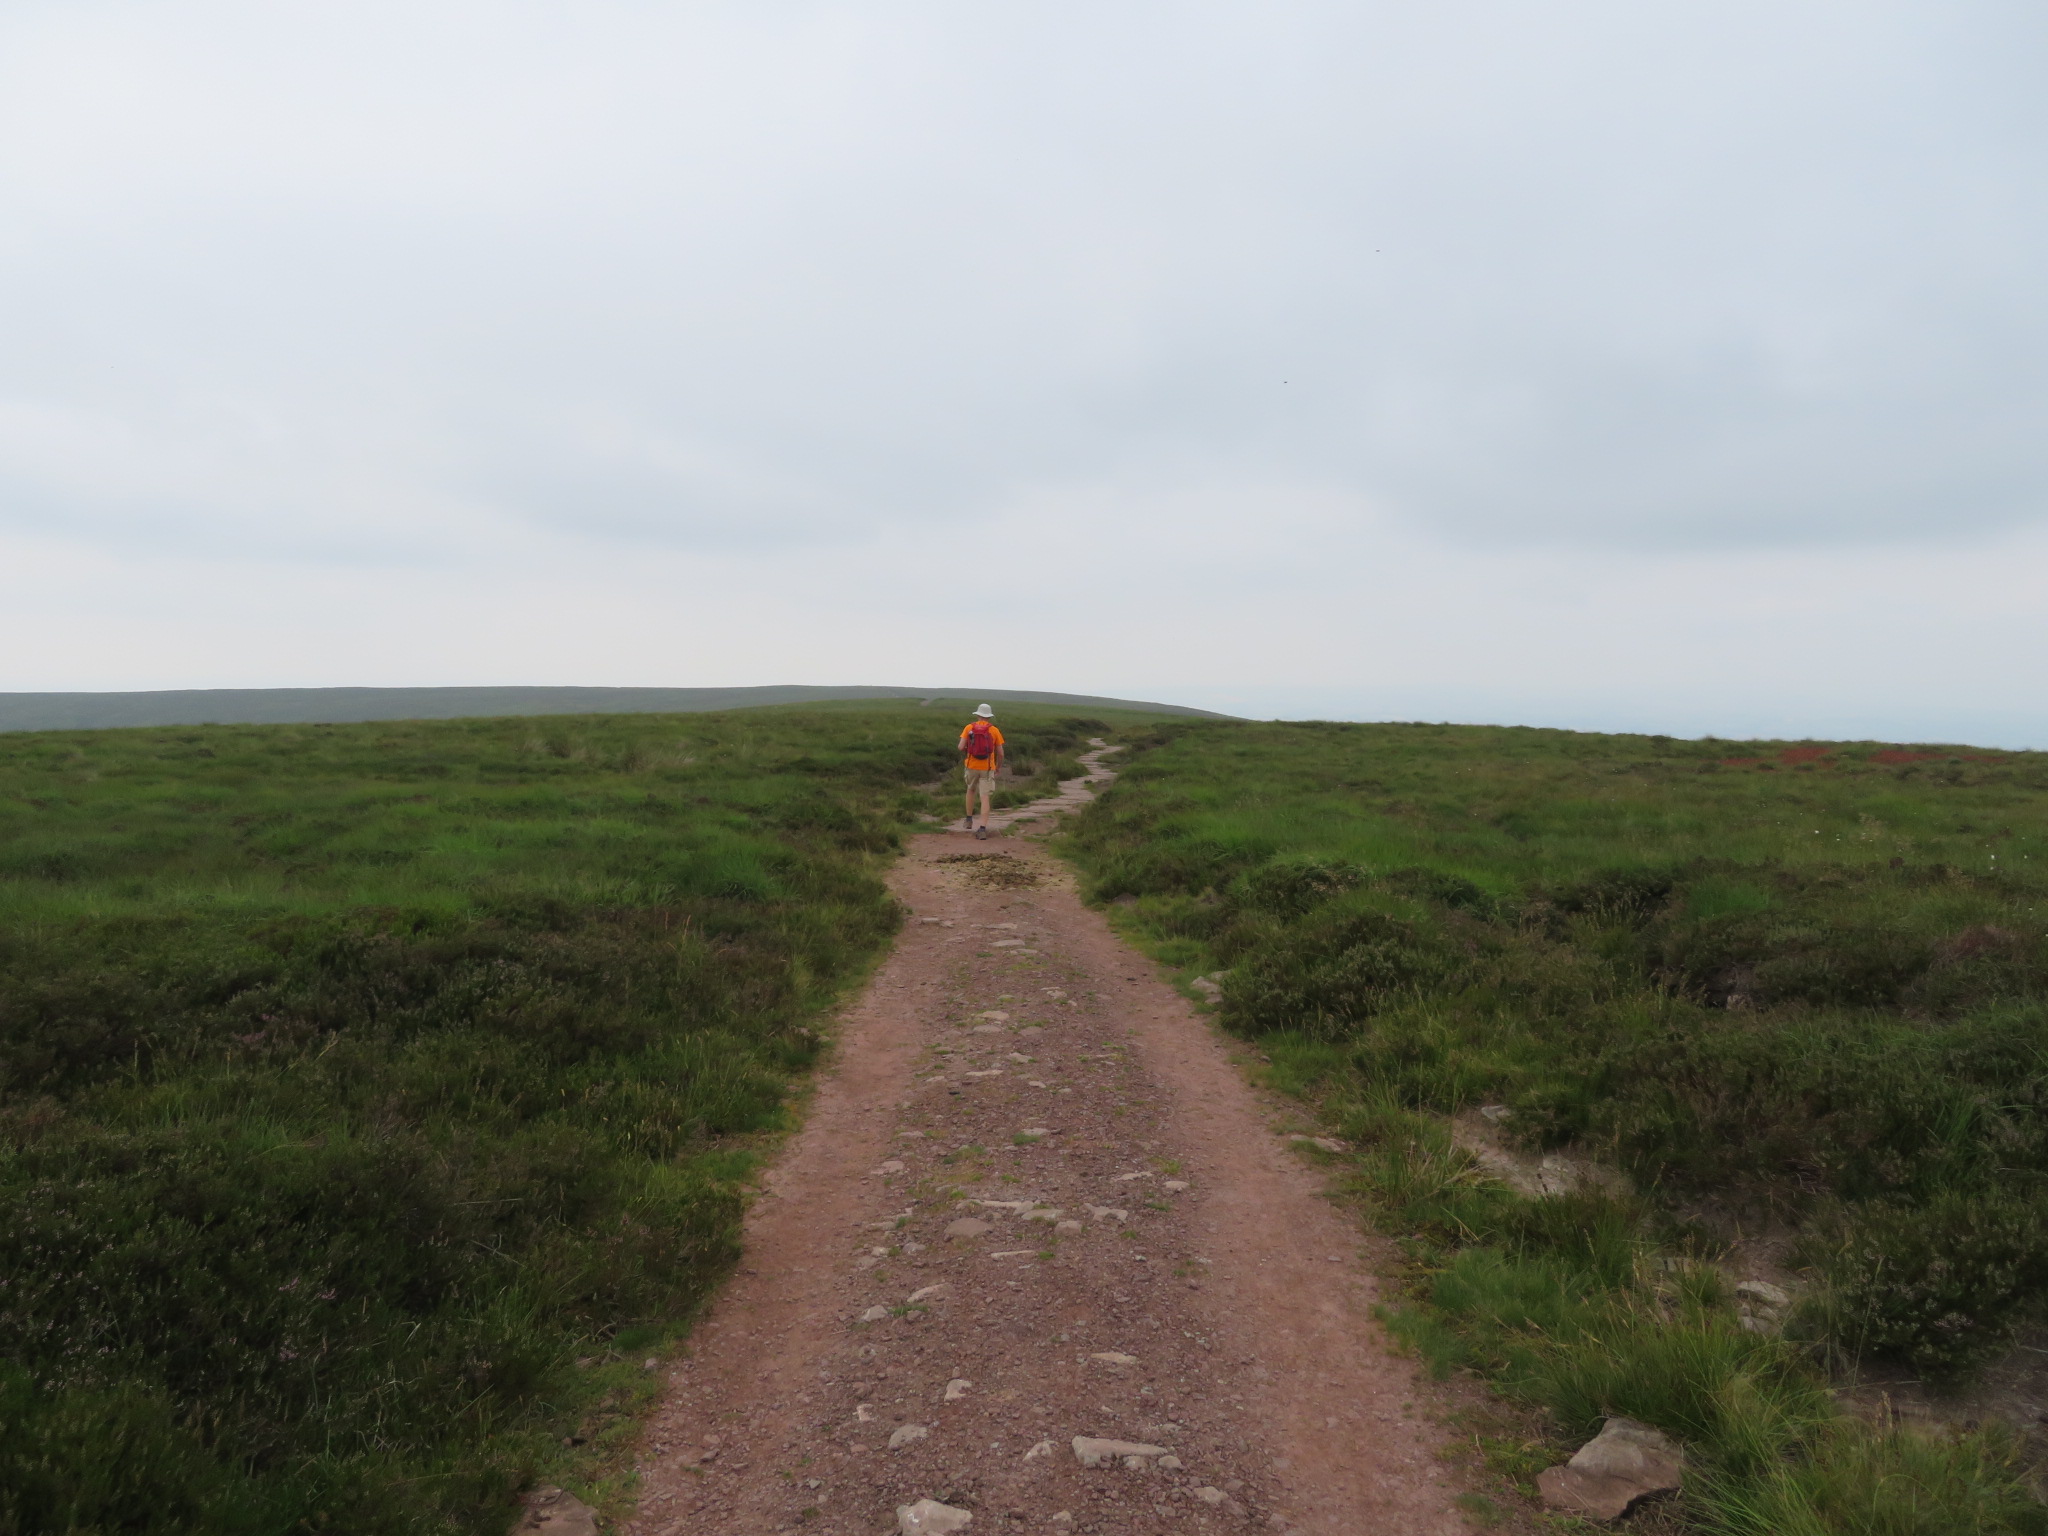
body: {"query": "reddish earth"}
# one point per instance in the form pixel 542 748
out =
pixel 1134 1254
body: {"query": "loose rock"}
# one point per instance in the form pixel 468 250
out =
pixel 1765 1296
pixel 928 1517
pixel 968 1226
pixel 906 1435
pixel 1091 1452
pixel 1622 1464
pixel 552 1512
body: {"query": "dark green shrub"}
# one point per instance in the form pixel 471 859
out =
pixel 1291 887
pixel 1940 1284
pixel 1450 890
pixel 1325 978
pixel 1618 895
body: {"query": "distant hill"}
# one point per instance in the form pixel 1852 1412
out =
pixel 310 706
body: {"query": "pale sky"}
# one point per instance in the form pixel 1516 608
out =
pixel 1677 366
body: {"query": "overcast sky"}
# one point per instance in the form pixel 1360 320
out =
pixel 1679 366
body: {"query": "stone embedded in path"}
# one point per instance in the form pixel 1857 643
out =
pixel 1099 1212
pixel 957 1388
pixel 1210 1495
pixel 1043 1448
pixel 1327 1143
pixel 932 1292
pixel 928 1517
pixel 551 1512
pixel 891 1166
pixel 968 1226
pixel 1115 1357
pixel 1174 1186
pixel 1625 1462
pixel 1091 1452
pixel 875 1315
pixel 906 1435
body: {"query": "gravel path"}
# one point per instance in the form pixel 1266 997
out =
pixel 1034 1206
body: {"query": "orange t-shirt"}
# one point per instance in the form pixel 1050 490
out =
pixel 995 736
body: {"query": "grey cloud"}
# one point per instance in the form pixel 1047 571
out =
pixel 738 276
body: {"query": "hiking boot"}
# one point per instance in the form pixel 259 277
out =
pixel 981 831
pixel 969 823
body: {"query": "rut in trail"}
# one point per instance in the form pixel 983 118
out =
pixel 1035 1202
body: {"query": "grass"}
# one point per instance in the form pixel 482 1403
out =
pixel 1796 988
pixel 374 1098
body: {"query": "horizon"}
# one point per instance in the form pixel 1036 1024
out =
pixel 56 710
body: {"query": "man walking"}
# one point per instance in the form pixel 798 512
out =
pixel 983 745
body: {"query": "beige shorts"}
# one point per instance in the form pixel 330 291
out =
pixel 981 776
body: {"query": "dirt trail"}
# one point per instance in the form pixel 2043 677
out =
pixel 1035 1201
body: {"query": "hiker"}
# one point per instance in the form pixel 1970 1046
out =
pixel 983 745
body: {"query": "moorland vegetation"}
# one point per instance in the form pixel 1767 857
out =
pixel 1797 993
pixel 374 1098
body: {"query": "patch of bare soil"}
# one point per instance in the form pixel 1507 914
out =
pixel 1034 1205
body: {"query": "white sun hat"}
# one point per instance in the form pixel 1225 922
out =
pixel 984 712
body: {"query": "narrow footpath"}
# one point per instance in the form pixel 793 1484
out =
pixel 1037 1256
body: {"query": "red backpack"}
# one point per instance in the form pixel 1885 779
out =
pixel 981 740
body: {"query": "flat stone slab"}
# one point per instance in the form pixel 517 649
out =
pixel 1624 1463
pixel 928 1517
